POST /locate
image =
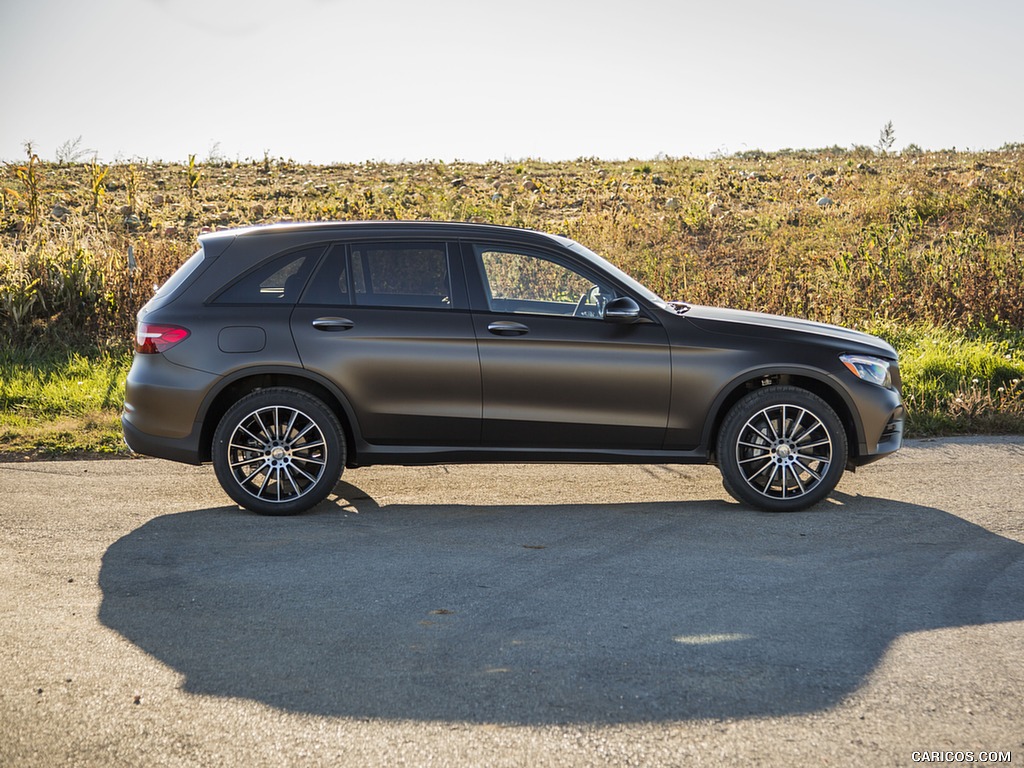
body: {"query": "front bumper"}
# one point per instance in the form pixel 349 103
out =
pixel 888 441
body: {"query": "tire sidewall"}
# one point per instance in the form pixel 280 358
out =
pixel 326 421
pixel 746 408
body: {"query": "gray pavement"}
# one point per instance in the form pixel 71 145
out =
pixel 513 615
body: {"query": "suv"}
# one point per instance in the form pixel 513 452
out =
pixel 285 353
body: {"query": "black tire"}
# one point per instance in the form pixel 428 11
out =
pixel 781 449
pixel 279 451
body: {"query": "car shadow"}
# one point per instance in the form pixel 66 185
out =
pixel 538 614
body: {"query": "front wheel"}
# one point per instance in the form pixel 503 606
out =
pixel 781 449
pixel 278 451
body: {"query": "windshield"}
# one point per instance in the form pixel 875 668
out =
pixel 635 287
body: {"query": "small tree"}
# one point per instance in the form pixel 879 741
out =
pixel 886 138
pixel 98 174
pixel 72 151
pixel 28 175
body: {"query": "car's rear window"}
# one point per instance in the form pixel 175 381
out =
pixel 180 275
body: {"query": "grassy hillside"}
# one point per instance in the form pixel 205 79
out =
pixel 921 248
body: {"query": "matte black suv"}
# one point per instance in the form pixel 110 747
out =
pixel 285 353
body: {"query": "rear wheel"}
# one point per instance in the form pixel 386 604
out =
pixel 781 449
pixel 278 451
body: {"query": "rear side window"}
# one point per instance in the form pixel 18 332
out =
pixel 279 281
pixel 401 275
pixel 413 275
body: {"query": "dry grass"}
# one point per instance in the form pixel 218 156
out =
pixel 930 238
pixel 928 241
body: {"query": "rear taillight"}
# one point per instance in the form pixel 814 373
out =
pixel 151 339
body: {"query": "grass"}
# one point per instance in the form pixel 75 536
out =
pixel 960 383
pixel 924 238
pixel 56 405
pixel 922 248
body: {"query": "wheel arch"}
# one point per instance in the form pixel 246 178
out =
pixel 810 379
pixel 242 383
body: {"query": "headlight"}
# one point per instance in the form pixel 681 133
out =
pixel 871 369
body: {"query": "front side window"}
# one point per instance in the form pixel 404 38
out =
pixel 529 284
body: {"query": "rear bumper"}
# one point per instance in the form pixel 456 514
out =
pixel 162 406
pixel 185 450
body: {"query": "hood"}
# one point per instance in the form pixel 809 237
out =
pixel 735 322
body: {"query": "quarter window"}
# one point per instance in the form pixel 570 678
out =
pixel 278 282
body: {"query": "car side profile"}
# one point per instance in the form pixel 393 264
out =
pixel 285 353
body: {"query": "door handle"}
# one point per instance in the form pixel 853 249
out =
pixel 507 328
pixel 333 324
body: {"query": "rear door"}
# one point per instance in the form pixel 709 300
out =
pixel 388 322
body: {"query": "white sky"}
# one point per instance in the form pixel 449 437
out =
pixel 352 80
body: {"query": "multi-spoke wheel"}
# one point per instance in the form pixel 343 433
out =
pixel 781 449
pixel 278 451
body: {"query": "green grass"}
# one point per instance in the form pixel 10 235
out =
pixel 69 405
pixel 54 405
pixel 957 382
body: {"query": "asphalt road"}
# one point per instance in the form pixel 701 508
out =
pixel 514 615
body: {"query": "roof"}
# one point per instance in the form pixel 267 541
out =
pixel 434 228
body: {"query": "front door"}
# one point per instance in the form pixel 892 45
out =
pixel 554 372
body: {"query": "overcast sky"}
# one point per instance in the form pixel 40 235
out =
pixel 343 81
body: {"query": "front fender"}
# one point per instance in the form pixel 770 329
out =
pixel 828 387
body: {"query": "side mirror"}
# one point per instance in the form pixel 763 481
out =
pixel 622 310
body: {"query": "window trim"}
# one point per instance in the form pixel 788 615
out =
pixel 325 260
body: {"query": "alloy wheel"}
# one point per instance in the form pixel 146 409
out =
pixel 277 454
pixel 784 451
